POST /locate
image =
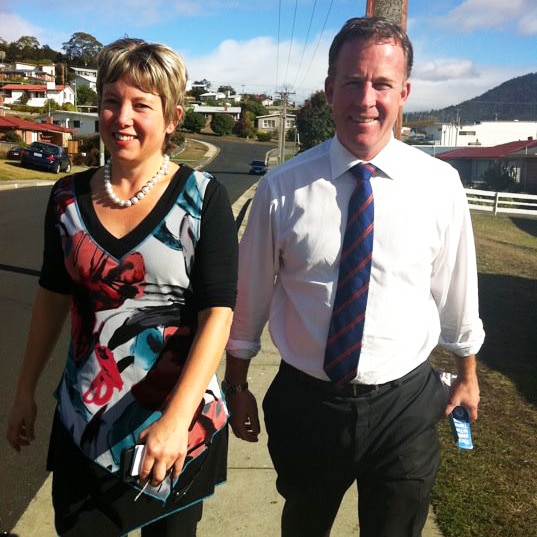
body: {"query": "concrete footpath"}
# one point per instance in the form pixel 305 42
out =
pixel 248 504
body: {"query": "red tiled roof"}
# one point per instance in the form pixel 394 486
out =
pixel 16 123
pixel 33 87
pixel 497 151
pixel 26 87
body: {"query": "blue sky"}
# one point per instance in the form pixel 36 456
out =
pixel 462 47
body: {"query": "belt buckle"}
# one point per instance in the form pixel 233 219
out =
pixel 363 389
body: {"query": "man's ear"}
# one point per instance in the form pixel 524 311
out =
pixel 405 92
pixel 329 88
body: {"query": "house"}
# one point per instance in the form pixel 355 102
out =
pixel 81 123
pixel 212 96
pixel 85 77
pixel 37 95
pixel 484 133
pixel 519 157
pixel 28 73
pixel 272 122
pixel 210 111
pixel 30 131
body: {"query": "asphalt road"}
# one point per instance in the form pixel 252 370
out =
pixel 21 216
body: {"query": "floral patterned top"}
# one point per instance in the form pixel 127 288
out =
pixel 134 308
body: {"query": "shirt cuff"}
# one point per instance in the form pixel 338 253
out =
pixel 242 349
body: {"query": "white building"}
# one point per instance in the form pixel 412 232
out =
pixel 83 123
pixel 272 122
pixel 37 95
pixel 485 133
pixel 209 111
pixel 29 72
pixel 85 77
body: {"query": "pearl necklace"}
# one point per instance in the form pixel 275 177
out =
pixel 163 170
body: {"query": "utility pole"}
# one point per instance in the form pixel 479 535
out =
pixel 396 11
pixel 284 95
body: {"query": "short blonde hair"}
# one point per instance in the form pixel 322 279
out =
pixel 151 67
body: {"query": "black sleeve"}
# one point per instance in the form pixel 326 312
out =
pixel 54 275
pixel 214 276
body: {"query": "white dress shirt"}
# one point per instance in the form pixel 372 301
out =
pixel 423 288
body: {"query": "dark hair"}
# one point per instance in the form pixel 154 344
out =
pixel 375 28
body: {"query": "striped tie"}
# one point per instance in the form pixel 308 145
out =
pixel 344 341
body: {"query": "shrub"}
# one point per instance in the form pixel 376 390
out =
pixel 12 136
pixel 264 136
pixel 222 124
pixel 194 121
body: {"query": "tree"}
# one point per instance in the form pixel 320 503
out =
pixel 501 177
pixel 194 121
pixel 254 106
pixel 222 124
pixel 49 106
pixel 199 87
pixel 204 83
pixel 245 127
pixel 25 48
pixel 12 136
pixel 82 48
pixel 47 53
pixel 85 95
pixel 314 121
pixel 226 90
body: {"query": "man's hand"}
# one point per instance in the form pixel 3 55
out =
pixel 465 389
pixel 244 417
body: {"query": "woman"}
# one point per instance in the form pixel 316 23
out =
pixel 144 254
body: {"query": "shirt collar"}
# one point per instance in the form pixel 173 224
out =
pixel 341 159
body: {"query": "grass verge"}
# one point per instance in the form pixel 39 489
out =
pixel 10 170
pixel 491 491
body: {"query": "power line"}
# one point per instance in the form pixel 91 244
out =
pixel 318 43
pixel 305 42
pixel 291 43
pixel 278 43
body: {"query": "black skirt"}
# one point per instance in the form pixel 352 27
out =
pixel 90 501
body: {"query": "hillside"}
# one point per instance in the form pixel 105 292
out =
pixel 514 99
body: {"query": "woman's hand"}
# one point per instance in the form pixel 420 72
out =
pixel 20 427
pixel 166 447
pixel 48 315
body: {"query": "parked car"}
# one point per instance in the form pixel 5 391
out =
pixel 14 153
pixel 50 157
pixel 258 167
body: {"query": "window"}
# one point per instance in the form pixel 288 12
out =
pixel 76 123
pixel 96 126
pixel 466 133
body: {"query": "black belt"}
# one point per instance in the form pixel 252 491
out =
pixel 350 389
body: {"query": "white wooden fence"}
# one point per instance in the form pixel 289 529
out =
pixel 502 202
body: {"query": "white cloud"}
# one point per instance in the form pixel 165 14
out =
pixel 13 27
pixel 475 14
pixel 427 94
pixel 259 66
pixel 445 69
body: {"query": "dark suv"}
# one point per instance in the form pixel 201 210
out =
pixel 50 157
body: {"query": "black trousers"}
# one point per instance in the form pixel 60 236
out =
pixel 91 502
pixel 322 440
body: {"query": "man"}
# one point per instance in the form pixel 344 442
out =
pixel 373 422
